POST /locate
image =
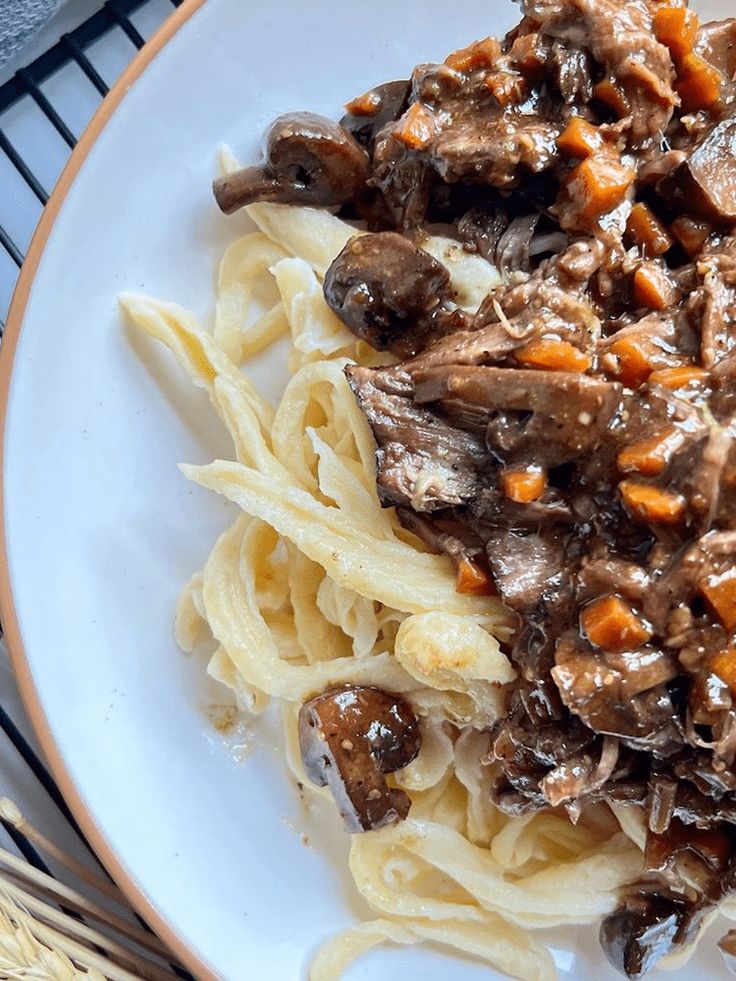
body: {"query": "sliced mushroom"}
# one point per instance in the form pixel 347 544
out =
pixel 349 739
pixel 384 288
pixel 310 160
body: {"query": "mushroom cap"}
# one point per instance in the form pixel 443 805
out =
pixel 315 153
pixel 381 283
pixel 310 160
pixel 349 739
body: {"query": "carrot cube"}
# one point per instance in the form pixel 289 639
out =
pixel 720 591
pixel 524 486
pixel 553 355
pixel 473 579
pixel 652 504
pixel 610 623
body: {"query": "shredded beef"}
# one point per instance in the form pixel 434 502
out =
pixel 573 440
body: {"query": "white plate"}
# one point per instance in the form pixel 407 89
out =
pixel 101 530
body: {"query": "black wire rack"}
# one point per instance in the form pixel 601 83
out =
pixel 28 82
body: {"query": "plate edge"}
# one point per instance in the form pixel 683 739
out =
pixel 21 668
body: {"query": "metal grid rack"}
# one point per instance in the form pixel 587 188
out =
pixel 30 179
pixel 27 174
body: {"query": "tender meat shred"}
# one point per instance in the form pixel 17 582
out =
pixel 528 569
pixel 421 461
pixel 619 37
pixel 540 412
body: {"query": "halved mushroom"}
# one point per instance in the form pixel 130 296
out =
pixel 642 931
pixel 349 739
pixel 385 288
pixel 310 160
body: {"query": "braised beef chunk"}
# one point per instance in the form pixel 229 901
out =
pixel 573 439
pixel 528 569
pixel 538 418
pixel 421 461
pixel 717 44
pixel 497 152
pixel 619 38
pixel 621 693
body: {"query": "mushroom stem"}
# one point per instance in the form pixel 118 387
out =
pixel 234 191
pixel 310 160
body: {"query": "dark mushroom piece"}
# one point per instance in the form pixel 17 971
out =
pixel 310 160
pixel 727 944
pixel 708 178
pixel 369 113
pixel 385 289
pixel 350 739
pixel 636 936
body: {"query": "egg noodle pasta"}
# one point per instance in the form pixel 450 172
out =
pixel 315 585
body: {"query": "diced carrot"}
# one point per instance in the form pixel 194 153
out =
pixel 553 355
pixel 649 457
pixel 634 366
pixel 691 234
pixel 677 28
pixel 647 231
pixel 698 83
pixel 527 55
pixel 607 92
pixel 597 185
pixel 610 623
pixel 416 127
pixel 524 486
pixel 720 591
pixel 579 138
pixel 479 54
pixel 367 104
pixel 507 88
pixel 724 665
pixel 653 288
pixel 473 579
pixel 652 504
pixel 675 378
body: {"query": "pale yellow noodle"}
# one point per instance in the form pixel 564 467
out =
pixel 238 625
pixel 321 638
pixel 495 941
pixel 248 312
pixel 577 891
pixel 316 585
pixel 391 573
